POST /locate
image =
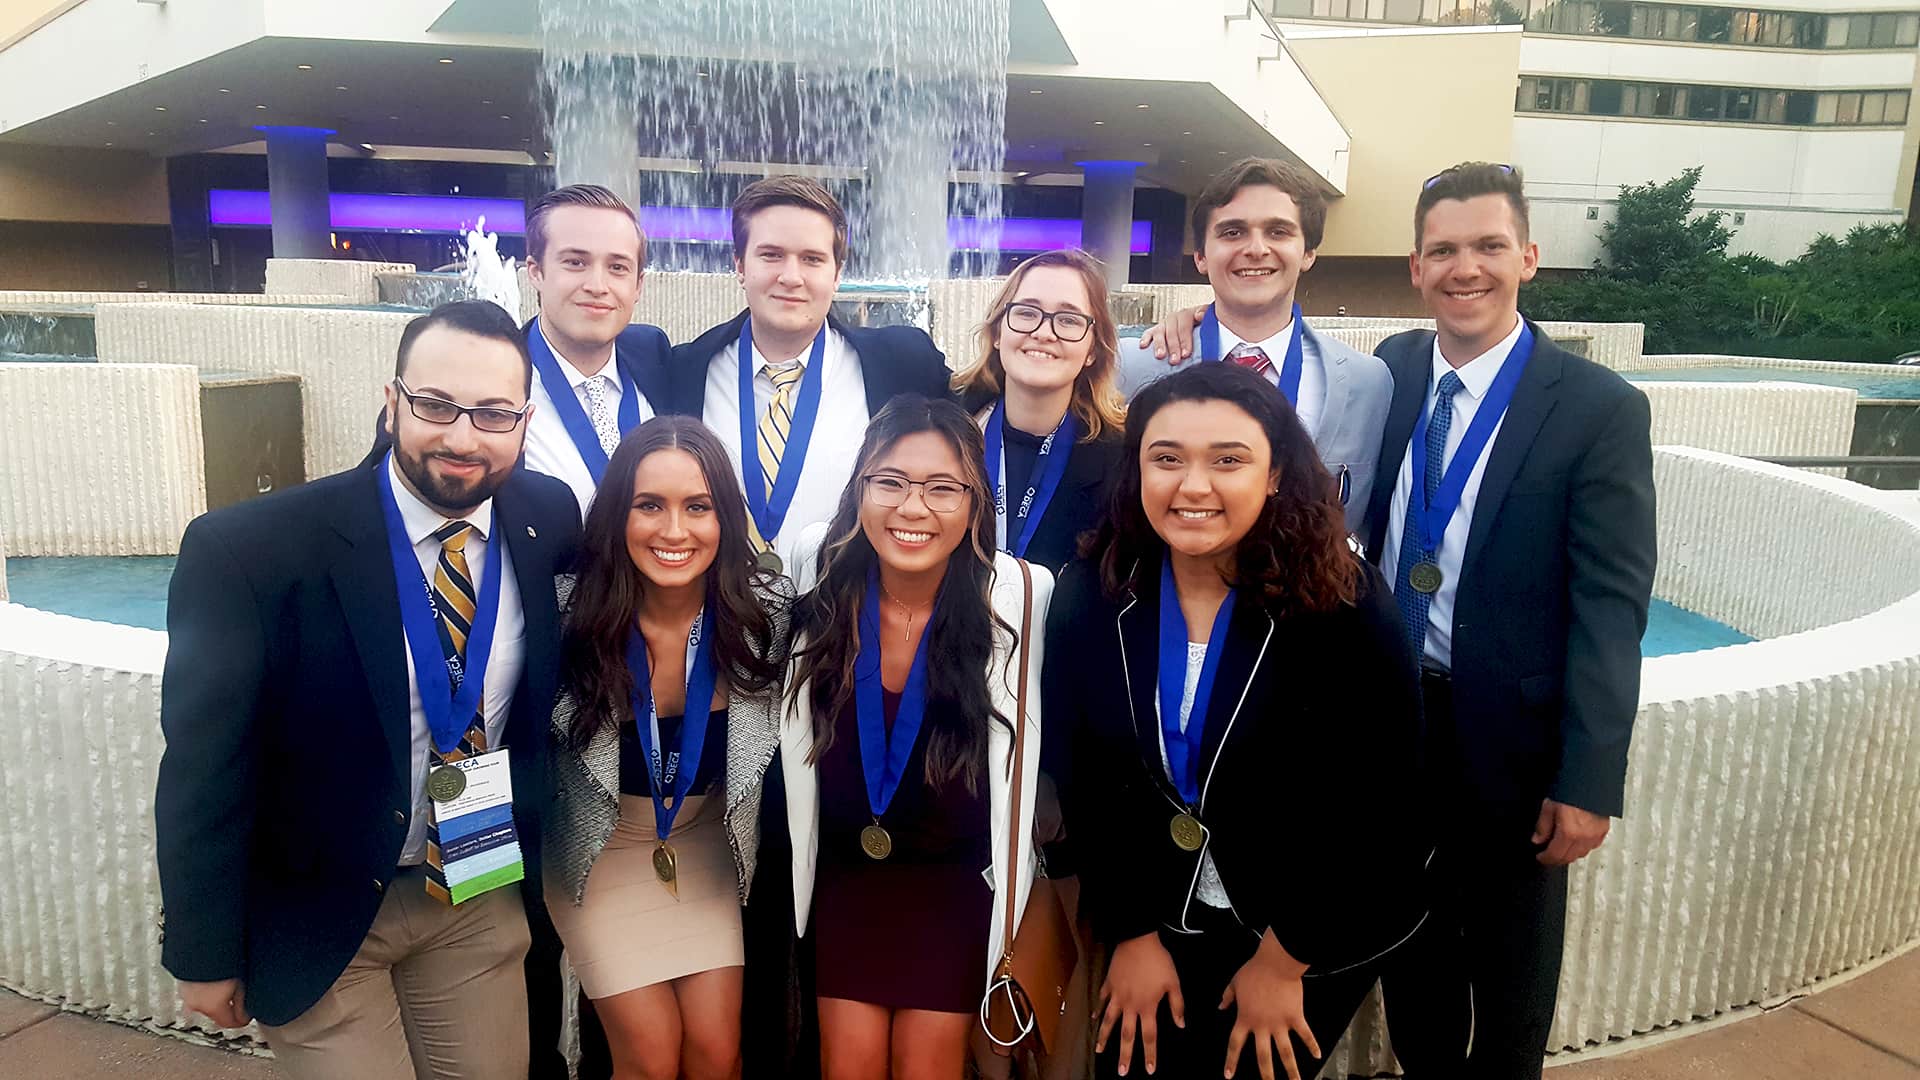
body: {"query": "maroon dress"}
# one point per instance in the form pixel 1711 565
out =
pixel 910 931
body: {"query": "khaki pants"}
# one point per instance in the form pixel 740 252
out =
pixel 434 992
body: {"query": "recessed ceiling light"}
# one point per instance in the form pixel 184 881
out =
pixel 1186 133
pixel 486 101
pixel 113 123
pixel 1146 144
pixel 339 88
pixel 1221 153
pixel 159 108
pixel 504 116
pixel 203 119
pixel 109 142
pixel 304 67
pixel 1036 91
pixel 1142 105
pixel 446 59
pixel 393 118
pixel 224 90
pixel 150 133
pixel 1099 123
pixel 259 106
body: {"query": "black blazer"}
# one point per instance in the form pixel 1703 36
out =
pixel 893 360
pixel 1081 500
pixel 1553 590
pixel 1308 770
pixel 284 793
pixel 640 352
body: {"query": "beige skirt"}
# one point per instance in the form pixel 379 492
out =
pixel 629 931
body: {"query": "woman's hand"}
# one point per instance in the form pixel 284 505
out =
pixel 1140 974
pixel 1272 1008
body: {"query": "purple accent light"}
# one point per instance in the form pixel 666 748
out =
pixel 697 224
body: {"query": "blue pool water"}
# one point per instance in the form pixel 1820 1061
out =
pixel 134 592
pixel 1898 384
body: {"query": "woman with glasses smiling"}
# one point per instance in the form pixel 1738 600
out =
pixel 1043 392
pixel 898 745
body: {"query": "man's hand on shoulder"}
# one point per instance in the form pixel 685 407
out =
pixel 1174 336
pixel 1569 832
pixel 223 1002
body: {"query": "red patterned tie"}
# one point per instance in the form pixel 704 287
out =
pixel 1251 356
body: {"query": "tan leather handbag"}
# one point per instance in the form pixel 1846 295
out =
pixel 1022 1008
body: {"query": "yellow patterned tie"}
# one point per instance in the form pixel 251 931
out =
pixel 453 604
pixel 775 423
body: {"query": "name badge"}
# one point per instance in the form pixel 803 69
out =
pixel 479 849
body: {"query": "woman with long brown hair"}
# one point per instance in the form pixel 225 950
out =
pixel 673 652
pixel 898 742
pixel 1247 750
pixel 1043 392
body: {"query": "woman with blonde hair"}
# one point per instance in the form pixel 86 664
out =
pixel 1043 392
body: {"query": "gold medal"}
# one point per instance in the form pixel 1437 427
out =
pixel 666 868
pixel 769 560
pixel 1425 577
pixel 1187 833
pixel 875 841
pixel 445 783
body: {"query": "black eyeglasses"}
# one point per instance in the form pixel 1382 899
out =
pixel 941 496
pixel 1444 173
pixel 1067 325
pixel 436 410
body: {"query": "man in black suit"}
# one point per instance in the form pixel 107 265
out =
pixel 1514 514
pixel 811 382
pixel 318 674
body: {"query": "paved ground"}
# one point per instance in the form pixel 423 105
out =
pixel 1867 1028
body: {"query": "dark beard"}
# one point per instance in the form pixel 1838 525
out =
pixel 448 494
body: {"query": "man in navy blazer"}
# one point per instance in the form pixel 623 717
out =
pixel 292 816
pixel 1523 566
pixel 789 248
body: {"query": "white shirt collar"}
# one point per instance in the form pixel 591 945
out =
pixel 1477 374
pixel 1275 347
pixel 573 374
pixel 760 361
pixel 422 520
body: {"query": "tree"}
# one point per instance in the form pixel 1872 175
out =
pixel 1655 231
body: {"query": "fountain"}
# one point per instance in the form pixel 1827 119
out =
pixel 489 275
pixel 883 99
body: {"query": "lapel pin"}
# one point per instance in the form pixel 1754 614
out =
pixel 531 535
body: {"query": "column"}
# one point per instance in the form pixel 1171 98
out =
pixel 297 192
pixel 1106 215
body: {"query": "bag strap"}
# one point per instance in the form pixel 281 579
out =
pixel 1019 772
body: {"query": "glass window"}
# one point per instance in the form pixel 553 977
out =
pixel 1403 11
pixel 1836 35
pixel 1746 27
pixel 1716 24
pixel 1643 19
pixel 1685 25
pixel 1825 111
pixel 1873 108
pixel 1739 105
pixel 1897 107
pixel 1613 18
pixel 1907 31
pixel 1800 106
pixel 1847 110
pixel 1604 97
pixel 1884 29
pixel 1770 107
pixel 1859 31
pixel 1705 103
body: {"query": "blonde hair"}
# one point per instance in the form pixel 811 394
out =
pixel 1097 403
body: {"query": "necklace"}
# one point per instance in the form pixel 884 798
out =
pixel 904 610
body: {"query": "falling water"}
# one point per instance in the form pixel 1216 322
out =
pixel 884 100
pixel 489 275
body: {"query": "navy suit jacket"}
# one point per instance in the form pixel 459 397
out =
pixel 285 789
pixel 893 360
pixel 1080 501
pixel 1554 586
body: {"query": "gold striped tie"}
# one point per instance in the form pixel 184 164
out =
pixel 454 602
pixel 775 424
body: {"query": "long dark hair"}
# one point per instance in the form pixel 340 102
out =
pixel 960 638
pixel 1296 554
pixel 610 590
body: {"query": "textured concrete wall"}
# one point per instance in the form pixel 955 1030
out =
pixel 1765 419
pixel 343 359
pixel 99 459
pixel 351 279
pixel 1786 367
pixel 16 299
pixel 3 560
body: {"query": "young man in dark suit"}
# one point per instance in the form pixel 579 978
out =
pixel 1514 514
pixel 800 402
pixel 321 872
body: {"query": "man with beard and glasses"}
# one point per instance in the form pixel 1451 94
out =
pixel 357 688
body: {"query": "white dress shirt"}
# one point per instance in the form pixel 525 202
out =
pixel 1476 378
pixel 1313 370
pixel 1211 891
pixel 504 662
pixel 550 449
pixel 838 431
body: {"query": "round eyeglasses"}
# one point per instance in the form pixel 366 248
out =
pixel 941 496
pixel 1067 325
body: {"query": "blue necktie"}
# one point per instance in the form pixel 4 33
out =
pixel 1414 603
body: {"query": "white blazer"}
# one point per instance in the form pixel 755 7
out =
pixel 802 778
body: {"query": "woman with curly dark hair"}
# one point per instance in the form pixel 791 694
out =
pixel 673 653
pixel 898 745
pixel 1232 711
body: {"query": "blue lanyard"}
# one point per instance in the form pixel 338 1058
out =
pixel 672 772
pixel 1433 518
pixel 1048 468
pixel 449 709
pixel 1289 371
pixel 884 754
pixel 1184 748
pixel 566 403
pixel 770 511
